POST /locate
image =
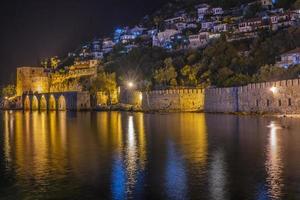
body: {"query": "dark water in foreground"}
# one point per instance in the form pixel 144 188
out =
pixel 62 155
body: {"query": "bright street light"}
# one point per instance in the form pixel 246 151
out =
pixel 130 84
pixel 274 89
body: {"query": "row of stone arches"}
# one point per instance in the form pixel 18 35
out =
pixel 35 103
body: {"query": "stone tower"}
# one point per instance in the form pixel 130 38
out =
pixel 32 79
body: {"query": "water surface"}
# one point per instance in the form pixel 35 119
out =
pixel 115 155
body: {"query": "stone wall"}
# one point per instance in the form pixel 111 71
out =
pixel 270 97
pixel 221 100
pixel 83 101
pixel 31 79
pixel 131 96
pixel 174 100
pixel 55 101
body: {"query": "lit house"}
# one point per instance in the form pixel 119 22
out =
pixel 174 20
pixel 250 25
pixel 96 49
pixel 181 26
pixel 267 3
pixel 217 11
pixel 221 27
pixel 137 31
pixel 198 40
pixel 206 26
pixel 280 21
pixel 127 38
pixel 107 45
pixel 290 58
pixel 202 10
pixel 163 37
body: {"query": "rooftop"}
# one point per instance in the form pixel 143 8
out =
pixel 297 50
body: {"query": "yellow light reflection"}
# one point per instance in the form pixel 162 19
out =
pixel 194 138
pixel 131 156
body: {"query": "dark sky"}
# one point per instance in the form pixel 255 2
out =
pixel 35 29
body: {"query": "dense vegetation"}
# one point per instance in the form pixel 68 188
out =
pixel 221 64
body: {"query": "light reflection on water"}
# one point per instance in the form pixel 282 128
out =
pixel 113 155
pixel 274 165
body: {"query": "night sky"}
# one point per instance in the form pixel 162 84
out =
pixel 35 29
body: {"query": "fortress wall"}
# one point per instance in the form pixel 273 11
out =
pixel 256 97
pixel 174 100
pixel 221 100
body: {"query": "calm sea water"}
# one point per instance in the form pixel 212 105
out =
pixel 115 155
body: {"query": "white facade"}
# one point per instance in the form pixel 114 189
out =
pixel 166 35
pixel 97 54
pixel 127 38
pixel 199 40
pixel 251 25
pixel 107 45
pixel 217 11
pixel 203 10
pixel 290 58
pixel 266 3
pixel 221 27
pixel 181 26
pixel 207 25
pixel 175 20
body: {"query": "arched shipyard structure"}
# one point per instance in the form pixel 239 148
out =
pixel 56 101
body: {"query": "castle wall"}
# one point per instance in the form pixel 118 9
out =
pixel 130 96
pixel 31 79
pixel 73 100
pixel 285 98
pixel 221 100
pixel 83 101
pixel 174 100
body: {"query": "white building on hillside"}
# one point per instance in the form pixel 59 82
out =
pixel 199 40
pixel 163 37
pixel 107 45
pixel 290 58
pixel 206 26
pixel 221 28
pixel 174 20
pixel 217 11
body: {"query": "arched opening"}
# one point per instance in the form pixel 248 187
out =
pixel 62 103
pixel 27 103
pixel 43 103
pixel 52 103
pixel 35 103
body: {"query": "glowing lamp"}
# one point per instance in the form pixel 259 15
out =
pixel 274 89
pixel 130 84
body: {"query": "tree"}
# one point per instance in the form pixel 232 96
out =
pixel 270 73
pixel 166 75
pixel 105 82
pixel 139 64
pixel 296 5
pixel 253 10
pixel 8 91
pixel 189 74
pixel 54 62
